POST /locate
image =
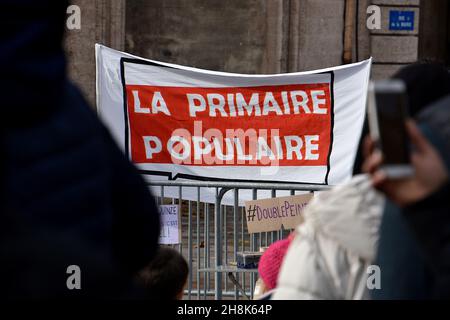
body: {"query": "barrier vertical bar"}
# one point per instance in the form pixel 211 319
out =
pixel 173 201
pixel 253 244
pixel 235 234
pixel 217 245
pixel 190 250
pixel 243 241
pixel 198 243
pixel 218 242
pixel 260 239
pixel 273 233
pixel 207 256
pixel 225 241
pixel 180 202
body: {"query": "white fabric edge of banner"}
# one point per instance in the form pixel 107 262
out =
pixel 99 65
pixel 348 166
pixel 219 73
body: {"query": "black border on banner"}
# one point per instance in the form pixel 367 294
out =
pixel 168 174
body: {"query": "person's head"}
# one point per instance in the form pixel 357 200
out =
pixel 426 82
pixel 32 58
pixel 165 276
pixel 270 263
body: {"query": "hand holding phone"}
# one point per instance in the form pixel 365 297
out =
pixel 388 112
pixel 430 172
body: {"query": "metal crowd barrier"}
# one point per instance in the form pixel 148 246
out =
pixel 209 267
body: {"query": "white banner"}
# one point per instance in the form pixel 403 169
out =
pixel 177 122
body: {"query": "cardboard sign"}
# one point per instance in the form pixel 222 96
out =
pixel 170 225
pixel 270 214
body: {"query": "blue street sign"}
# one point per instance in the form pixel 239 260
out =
pixel 401 20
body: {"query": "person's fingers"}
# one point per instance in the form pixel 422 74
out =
pixel 417 138
pixel 368 146
pixel 379 178
pixel 373 162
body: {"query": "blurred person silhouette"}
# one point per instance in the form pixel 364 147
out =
pixel 165 277
pixel 405 271
pixel 342 236
pixel 331 251
pixel 68 194
pixel 423 198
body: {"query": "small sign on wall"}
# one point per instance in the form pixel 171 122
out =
pixel 401 20
pixel 170 224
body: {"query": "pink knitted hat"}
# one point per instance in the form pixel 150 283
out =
pixel 270 262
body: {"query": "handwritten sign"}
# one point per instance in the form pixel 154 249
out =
pixel 270 214
pixel 170 224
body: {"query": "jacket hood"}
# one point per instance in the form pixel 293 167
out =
pixel 349 214
pixel 32 57
pixel 434 122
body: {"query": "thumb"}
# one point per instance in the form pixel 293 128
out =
pixel 417 138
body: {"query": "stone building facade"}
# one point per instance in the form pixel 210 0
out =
pixel 257 36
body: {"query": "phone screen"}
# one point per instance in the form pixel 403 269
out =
pixel 393 138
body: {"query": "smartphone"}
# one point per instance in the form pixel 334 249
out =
pixel 387 114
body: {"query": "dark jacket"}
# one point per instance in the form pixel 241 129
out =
pixel 430 219
pixel 68 195
pixel 405 273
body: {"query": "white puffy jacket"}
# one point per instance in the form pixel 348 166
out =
pixel 332 249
